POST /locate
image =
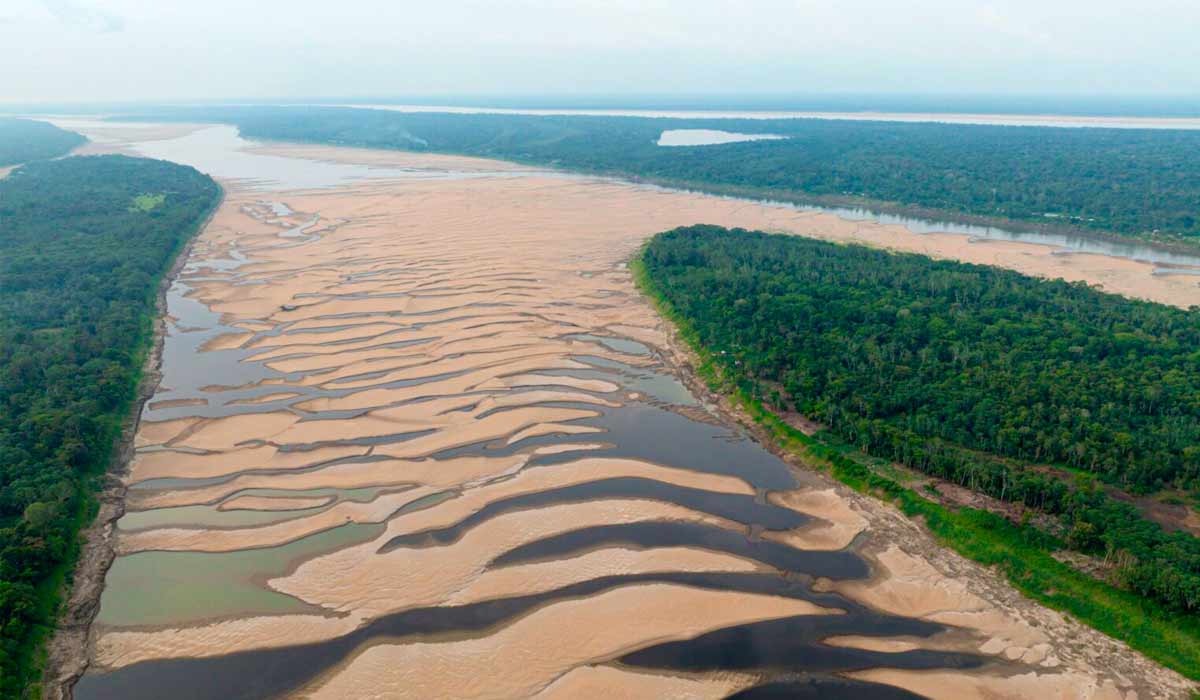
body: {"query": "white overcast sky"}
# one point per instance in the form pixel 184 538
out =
pixel 88 50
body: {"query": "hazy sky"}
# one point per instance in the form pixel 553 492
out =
pixel 63 50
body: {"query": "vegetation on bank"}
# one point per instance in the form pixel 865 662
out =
pixel 910 357
pixel 721 288
pixel 1133 182
pixel 81 257
pixel 24 141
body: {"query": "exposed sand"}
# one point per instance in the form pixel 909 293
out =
pixel 839 524
pixel 442 473
pixel 358 578
pixel 874 643
pixel 274 535
pixel 938 685
pixel 518 580
pixel 119 648
pixel 916 587
pixel 167 463
pixel 618 684
pixel 567 635
pixel 421 334
pixel 265 398
pixel 162 432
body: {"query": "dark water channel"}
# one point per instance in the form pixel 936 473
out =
pixel 788 654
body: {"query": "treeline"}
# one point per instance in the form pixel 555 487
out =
pixel 24 141
pixel 1141 183
pixel 964 372
pixel 79 267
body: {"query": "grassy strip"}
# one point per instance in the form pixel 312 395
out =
pixel 1021 552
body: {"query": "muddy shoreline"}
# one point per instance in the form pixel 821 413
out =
pixel 67 654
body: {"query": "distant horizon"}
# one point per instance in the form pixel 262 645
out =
pixel 1183 105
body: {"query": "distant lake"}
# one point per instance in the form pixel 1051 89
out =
pixel 708 137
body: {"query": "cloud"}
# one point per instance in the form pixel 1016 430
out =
pixel 76 15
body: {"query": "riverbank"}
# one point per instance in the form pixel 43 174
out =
pixel 1010 551
pixel 67 651
pixel 75 336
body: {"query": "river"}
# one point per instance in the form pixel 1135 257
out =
pixel 419 436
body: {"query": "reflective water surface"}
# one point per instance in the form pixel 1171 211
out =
pixel 708 137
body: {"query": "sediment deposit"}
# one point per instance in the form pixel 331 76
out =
pixel 422 438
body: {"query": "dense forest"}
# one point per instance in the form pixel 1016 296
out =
pixel 1140 183
pixel 973 374
pixel 80 262
pixel 24 141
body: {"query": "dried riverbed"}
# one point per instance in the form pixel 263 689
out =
pixel 420 437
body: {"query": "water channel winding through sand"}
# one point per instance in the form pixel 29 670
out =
pixel 418 436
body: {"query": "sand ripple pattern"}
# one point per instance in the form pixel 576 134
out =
pixel 424 439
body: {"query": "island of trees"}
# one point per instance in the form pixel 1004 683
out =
pixel 24 141
pixel 1133 182
pixel 84 242
pixel 1032 391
